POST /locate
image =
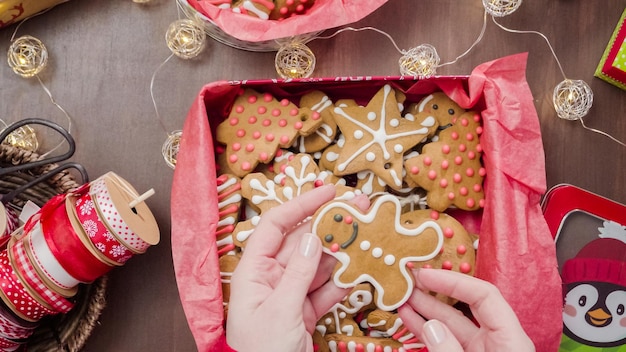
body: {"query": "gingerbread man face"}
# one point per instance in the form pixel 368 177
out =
pixel 439 106
pixel 376 247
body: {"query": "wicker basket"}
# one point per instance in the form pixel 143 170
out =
pixel 61 332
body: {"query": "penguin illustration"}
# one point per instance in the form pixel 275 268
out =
pixel 594 285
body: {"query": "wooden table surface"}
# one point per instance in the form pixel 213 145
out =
pixel 104 53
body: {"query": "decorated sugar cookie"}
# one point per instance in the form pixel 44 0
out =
pixel 376 247
pixel 377 136
pixel 229 204
pixel 451 169
pixel 258 125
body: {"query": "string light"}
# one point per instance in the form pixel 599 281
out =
pixel 422 61
pixel 170 148
pixel 27 56
pixel 23 137
pixel 501 8
pixel 294 60
pixel 185 38
pixel 572 99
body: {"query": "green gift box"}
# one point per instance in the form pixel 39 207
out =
pixel 612 66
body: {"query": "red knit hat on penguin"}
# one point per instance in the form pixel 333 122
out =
pixel 601 260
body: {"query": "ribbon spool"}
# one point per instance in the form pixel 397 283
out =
pixel 8 223
pixel 572 99
pixel 421 61
pixel 294 60
pixel 27 56
pixel 185 38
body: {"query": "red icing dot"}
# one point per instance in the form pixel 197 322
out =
pixel 482 172
pixel 284 140
pixel 471 155
pixel 481 203
pixel 284 102
pixel 276 112
pixel 479 130
pixel 282 182
pixel 250 147
pixel 463 191
pixel 461 249
pixel 428 161
pixel 446 265
pixel 267 122
pixel 282 122
pixel 267 97
pixel 477 188
pixel 236 147
pixel 470 202
pixel 457 178
pixel 252 120
pixel 469 172
pixel 246 166
pixel 348 219
pixel 298 125
pixel 318 183
pixel 476 118
pixel 256 134
pixel 479 148
pixel 454 135
pixel 299 8
pixel 464 122
pixel 294 112
pixel 261 110
pixel 462 147
pixel 315 116
pixel 458 160
pixel 445 149
pixel 427 266
pixel 448 232
pixel 233 158
pixel 234 121
pixel 283 167
pixel 414 170
pixel 432 174
pixel 241 133
pixel 263 156
pixel 469 137
pixel 239 109
pixel 334 247
pixel 465 267
pixel 410 265
pixel 252 99
pixel 284 10
pixel 434 215
pixel 445 164
pixel 443 183
pixel 451 195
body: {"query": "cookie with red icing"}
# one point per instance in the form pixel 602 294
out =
pixel 286 8
pixel 254 8
pixel 376 247
pixel 229 204
pixel 341 316
pixel 377 136
pixel 383 324
pixel 451 169
pixel 439 106
pixel 319 102
pixel 257 126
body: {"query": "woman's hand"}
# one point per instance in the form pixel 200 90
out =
pixel 444 328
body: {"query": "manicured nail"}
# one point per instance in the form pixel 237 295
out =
pixel 309 244
pixel 434 332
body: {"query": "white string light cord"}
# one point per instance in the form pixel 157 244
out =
pixel 572 98
pixel 28 56
pixel 186 39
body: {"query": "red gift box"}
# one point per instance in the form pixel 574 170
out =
pixel 516 250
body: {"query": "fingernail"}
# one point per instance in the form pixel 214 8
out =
pixel 434 332
pixel 308 245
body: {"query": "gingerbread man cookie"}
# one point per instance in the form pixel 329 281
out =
pixel 318 102
pixel 439 106
pixel 377 136
pixel 451 169
pixel 258 125
pixel 376 247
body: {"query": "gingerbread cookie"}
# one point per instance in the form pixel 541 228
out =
pixel 325 134
pixel 451 169
pixel 229 204
pixel 389 325
pixel 254 8
pixel 343 343
pixel 258 125
pixel 340 318
pixel 227 264
pixel 376 247
pixel 439 106
pixel 377 136
pixel 286 8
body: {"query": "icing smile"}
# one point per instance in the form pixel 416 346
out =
pixel 355 232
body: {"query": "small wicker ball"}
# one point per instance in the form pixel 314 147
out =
pixel 185 38
pixel 501 8
pixel 294 60
pixel 23 137
pixel 572 99
pixel 170 148
pixel 27 56
pixel 419 61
